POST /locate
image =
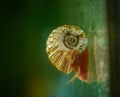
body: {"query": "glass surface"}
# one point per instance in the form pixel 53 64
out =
pixel 27 71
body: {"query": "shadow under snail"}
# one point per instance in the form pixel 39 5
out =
pixel 67 49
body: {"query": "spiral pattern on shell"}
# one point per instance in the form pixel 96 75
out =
pixel 61 44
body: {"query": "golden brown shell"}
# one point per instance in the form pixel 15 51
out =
pixel 62 42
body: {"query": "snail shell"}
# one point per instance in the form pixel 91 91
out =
pixel 67 50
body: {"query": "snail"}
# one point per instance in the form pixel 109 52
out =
pixel 67 49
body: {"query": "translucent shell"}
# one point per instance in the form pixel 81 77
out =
pixel 67 49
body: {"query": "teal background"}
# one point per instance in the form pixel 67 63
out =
pixel 25 68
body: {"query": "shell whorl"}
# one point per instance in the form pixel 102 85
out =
pixel 70 41
pixel 62 42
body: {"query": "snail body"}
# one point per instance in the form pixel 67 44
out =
pixel 67 49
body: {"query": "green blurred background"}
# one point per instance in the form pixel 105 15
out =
pixel 25 68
